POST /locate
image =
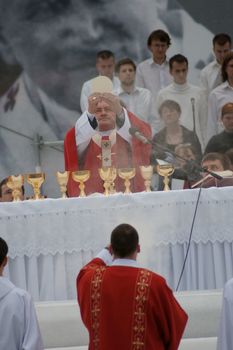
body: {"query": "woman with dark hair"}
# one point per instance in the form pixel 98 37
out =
pixel 174 134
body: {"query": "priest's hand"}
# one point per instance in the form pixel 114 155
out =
pixel 113 102
pixel 93 100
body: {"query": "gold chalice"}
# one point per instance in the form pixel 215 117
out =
pixel 147 172
pixel 36 181
pixel 62 179
pixel 127 174
pixel 15 183
pixel 81 176
pixel 165 170
pixel 108 175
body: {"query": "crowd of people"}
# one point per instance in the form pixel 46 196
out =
pixel 156 95
pixel 205 111
pixel 156 99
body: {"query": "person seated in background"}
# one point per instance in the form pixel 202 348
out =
pixel 223 141
pixel 132 305
pixel 215 161
pixel 6 192
pixel 105 65
pixel 19 326
pixel 187 164
pixel 174 134
pixel 105 123
pixel 137 100
pixel 225 334
pixel 229 154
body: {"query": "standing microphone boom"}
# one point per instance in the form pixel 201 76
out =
pixel 136 133
pixel 192 99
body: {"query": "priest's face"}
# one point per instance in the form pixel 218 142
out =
pixel 106 118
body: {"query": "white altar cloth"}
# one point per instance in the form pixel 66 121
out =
pixel 50 240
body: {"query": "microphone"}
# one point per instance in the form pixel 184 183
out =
pixel 192 99
pixel 136 133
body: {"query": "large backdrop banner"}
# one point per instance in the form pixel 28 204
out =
pixel 48 49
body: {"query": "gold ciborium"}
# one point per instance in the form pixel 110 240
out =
pixel 81 176
pixel 147 172
pixel 165 170
pixel 108 175
pixel 36 181
pixel 126 174
pixel 62 179
pixel 15 183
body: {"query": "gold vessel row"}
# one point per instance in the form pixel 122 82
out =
pixel 108 175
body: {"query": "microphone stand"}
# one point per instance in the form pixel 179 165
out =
pixel 192 163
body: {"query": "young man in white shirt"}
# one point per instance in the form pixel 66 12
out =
pixel 211 76
pixel 153 73
pixel 136 99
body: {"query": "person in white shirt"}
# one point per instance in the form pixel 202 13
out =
pixel 220 96
pixel 210 76
pixel 153 73
pixel 19 326
pixel 191 98
pixel 105 65
pixel 225 335
pixel 136 99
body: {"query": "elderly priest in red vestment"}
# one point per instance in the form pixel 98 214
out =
pixel 124 306
pixel 105 123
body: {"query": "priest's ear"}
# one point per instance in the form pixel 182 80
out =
pixel 138 248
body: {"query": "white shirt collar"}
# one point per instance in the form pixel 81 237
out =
pixel 125 262
pixel 120 90
pixel 152 62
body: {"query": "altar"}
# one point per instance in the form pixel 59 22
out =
pixel 50 240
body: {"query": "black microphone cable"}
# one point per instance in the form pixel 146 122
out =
pixel 190 237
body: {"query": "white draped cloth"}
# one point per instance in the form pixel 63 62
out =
pixel 50 240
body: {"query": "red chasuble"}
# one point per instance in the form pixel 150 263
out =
pixel 123 156
pixel 128 308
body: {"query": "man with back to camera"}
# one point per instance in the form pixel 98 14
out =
pixel 124 306
pixel 210 76
pixel 19 326
pixel 105 65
